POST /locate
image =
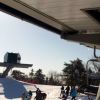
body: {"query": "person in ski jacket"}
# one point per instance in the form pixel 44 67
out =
pixel 67 91
pixel 62 91
pixel 38 95
pixel 73 93
pixel 27 95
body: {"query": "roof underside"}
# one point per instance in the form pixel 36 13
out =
pixel 74 20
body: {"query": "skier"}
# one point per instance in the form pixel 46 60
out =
pixel 67 91
pixel 62 91
pixel 27 95
pixel 38 95
pixel 38 90
pixel 73 93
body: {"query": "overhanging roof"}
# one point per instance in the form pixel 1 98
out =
pixel 75 20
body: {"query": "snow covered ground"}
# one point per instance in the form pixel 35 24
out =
pixel 11 89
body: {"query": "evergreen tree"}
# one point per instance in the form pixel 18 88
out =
pixel 39 76
pixel 75 71
pixel 17 74
pixel 46 81
pixel 54 78
pixel 31 74
pixel 51 80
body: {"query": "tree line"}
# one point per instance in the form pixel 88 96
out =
pixel 74 73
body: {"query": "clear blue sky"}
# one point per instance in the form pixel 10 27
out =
pixel 42 48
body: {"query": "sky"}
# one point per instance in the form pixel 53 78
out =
pixel 37 46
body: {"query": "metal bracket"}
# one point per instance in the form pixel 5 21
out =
pixel 97 57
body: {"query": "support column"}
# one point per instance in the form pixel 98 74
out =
pixel 5 73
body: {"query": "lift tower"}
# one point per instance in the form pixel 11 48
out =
pixel 12 60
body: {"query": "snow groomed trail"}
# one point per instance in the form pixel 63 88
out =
pixel 11 89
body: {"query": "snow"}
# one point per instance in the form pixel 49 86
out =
pixel 11 89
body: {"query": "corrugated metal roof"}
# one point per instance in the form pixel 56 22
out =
pixel 67 17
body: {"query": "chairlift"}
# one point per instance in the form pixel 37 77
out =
pixel 12 60
pixel 93 76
